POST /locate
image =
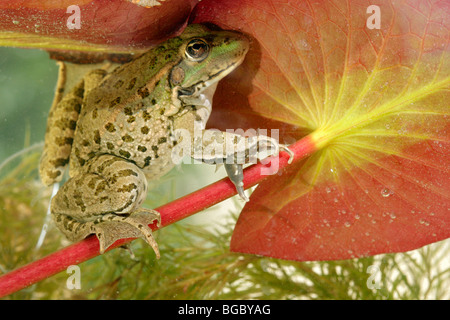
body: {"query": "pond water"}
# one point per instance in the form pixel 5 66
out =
pixel 27 83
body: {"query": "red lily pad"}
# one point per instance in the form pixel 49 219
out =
pixel 374 101
pixel 105 25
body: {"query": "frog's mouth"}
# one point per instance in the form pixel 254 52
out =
pixel 198 94
pixel 195 89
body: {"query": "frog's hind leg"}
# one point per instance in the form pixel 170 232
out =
pixel 105 199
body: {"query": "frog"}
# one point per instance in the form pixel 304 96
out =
pixel 116 130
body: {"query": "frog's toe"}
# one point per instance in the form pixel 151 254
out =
pixel 236 174
pixel 288 151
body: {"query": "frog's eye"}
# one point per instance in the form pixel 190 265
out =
pixel 197 50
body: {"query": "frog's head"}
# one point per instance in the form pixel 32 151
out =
pixel 206 57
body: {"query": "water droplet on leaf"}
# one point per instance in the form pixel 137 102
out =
pixel 386 192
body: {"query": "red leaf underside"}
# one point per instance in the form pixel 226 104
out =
pixel 375 102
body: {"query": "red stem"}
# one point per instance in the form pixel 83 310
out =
pixel 170 213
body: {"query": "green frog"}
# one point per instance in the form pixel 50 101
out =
pixel 117 129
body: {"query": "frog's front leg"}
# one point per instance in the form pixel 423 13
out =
pixel 105 199
pixel 233 151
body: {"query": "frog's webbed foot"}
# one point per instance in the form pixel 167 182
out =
pixel 112 227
